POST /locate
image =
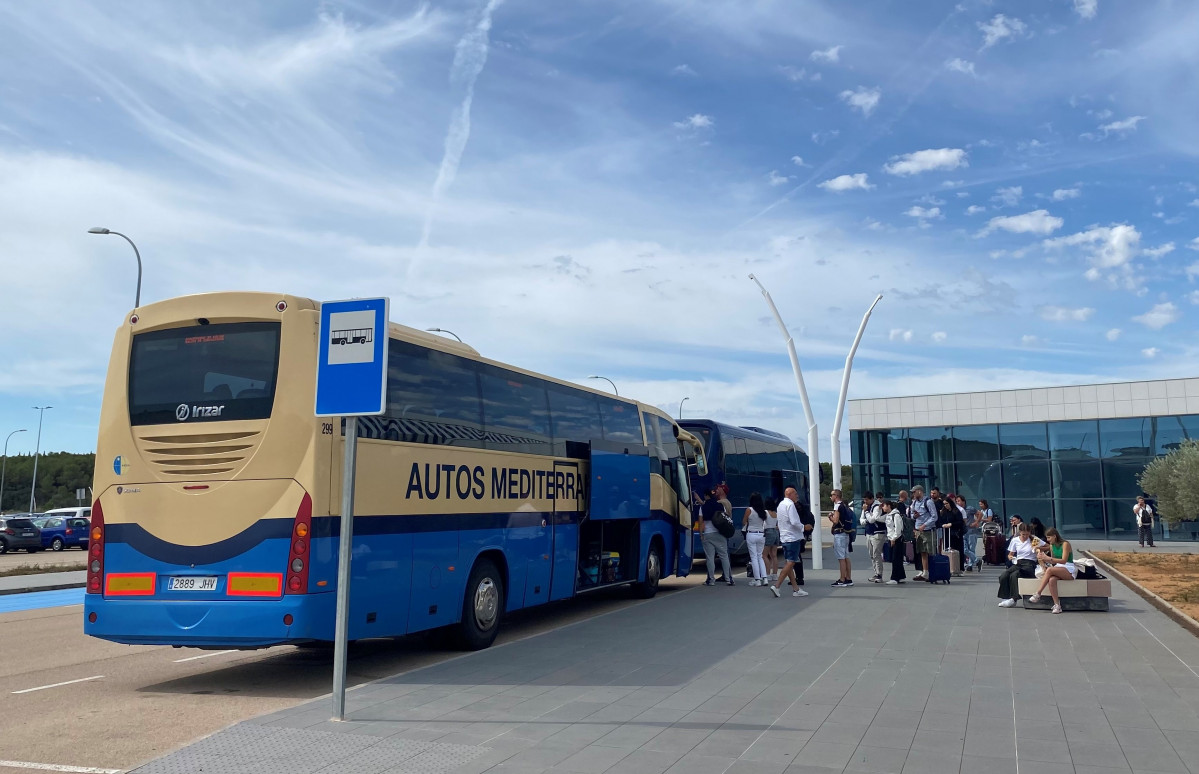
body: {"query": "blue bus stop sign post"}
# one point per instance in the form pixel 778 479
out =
pixel 351 381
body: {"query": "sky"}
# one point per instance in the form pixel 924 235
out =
pixel 585 192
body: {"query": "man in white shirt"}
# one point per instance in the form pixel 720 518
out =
pixel 791 530
pixel 1143 512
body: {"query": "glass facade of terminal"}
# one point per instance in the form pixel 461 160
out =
pixel 1080 475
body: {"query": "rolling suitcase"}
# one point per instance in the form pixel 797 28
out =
pixel 938 568
pixel 955 556
pixel 994 550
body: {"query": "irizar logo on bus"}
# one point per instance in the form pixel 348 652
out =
pixel 185 412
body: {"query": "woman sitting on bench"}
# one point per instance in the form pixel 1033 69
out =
pixel 1059 565
pixel 1023 565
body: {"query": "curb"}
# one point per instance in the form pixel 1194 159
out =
pixel 53 587
pixel 1176 615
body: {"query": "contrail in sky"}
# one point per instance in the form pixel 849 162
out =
pixel 469 58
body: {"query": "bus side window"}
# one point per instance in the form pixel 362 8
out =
pixel 575 418
pixel 516 414
pixel 622 421
pixel 432 397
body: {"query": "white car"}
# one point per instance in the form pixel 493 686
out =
pixel 66 513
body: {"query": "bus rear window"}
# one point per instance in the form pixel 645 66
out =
pixel 203 373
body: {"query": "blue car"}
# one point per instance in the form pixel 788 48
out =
pixel 59 532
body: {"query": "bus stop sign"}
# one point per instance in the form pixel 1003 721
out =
pixel 351 369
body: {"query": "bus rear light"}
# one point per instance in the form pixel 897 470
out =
pixel 287 619
pixel 95 550
pixel 91 617
pixel 297 567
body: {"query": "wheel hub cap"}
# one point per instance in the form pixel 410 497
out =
pixel 487 603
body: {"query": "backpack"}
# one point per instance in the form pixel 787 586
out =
pixel 723 524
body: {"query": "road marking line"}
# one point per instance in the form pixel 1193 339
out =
pixel 206 655
pixel 56 767
pixel 56 685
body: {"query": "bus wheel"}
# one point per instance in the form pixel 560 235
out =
pixel 481 606
pixel 653 574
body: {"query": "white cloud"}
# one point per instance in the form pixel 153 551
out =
pixel 828 56
pixel 1151 352
pixel 697 121
pixel 1008 197
pixel 1029 340
pixel 1194 203
pixel 864 99
pixel 899 334
pixel 1193 271
pixel 774 178
pixel 1159 316
pixel 1086 8
pixel 683 69
pixel 1113 334
pixel 1000 27
pixel 1158 252
pixel 926 160
pixel 974 209
pixel 954 184
pixel 940 336
pixel 1193 244
pixel 924 214
pixel 820 138
pixel 847 183
pixel 1035 222
pixel 1061 194
pixel 798 161
pixel 961 66
pixel 1065 314
pixel 793 74
pixel 1109 246
pixel 1122 127
pixel 1193 296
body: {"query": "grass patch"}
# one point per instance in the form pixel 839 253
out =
pixel 37 569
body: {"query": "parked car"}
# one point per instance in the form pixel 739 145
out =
pixel 81 512
pixel 19 531
pixel 59 532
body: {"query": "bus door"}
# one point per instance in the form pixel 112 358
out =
pixel 685 555
pixel 563 546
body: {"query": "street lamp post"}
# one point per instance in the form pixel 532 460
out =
pixel 609 381
pixel 813 433
pixel 137 300
pixel 681 402
pixel 836 437
pixel 4 466
pixel 37 451
pixel 443 330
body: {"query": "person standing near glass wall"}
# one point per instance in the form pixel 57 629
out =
pixel 1144 514
pixel 974 530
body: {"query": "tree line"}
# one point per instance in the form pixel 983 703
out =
pixel 59 474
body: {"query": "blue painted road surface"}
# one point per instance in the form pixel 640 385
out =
pixel 35 600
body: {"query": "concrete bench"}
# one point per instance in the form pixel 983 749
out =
pixel 1075 594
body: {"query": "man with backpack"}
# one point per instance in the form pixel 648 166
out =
pixel 715 528
pixel 925 512
pixel 875 525
pixel 843 529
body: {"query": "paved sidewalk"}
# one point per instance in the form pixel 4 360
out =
pixel 19 584
pixel 911 679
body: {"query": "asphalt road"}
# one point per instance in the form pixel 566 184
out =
pixel 134 703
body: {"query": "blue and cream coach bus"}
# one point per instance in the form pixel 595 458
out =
pixel 484 488
pixel 750 460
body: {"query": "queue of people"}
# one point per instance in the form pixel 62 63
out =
pixel 928 524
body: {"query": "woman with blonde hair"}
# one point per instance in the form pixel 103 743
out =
pixel 1058 562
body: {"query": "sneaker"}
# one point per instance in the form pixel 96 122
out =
pixel 709 582
pixel 722 579
pixel 847 583
pixel 754 582
pixel 774 590
pixel 918 576
pixel 902 580
pixel 799 593
pixel 1035 598
pixel 876 579
pixel 892 583
pixel 838 584
pixel 1008 603
pixel 1056 609
pixel 731 583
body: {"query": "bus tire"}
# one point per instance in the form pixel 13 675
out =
pixel 482 606
pixel 647 588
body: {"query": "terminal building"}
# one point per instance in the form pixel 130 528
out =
pixel 1071 456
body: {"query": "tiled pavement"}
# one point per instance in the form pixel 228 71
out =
pixel 910 679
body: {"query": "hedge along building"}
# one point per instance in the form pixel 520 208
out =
pixel 1071 456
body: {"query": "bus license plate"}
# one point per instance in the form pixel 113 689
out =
pixel 192 583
